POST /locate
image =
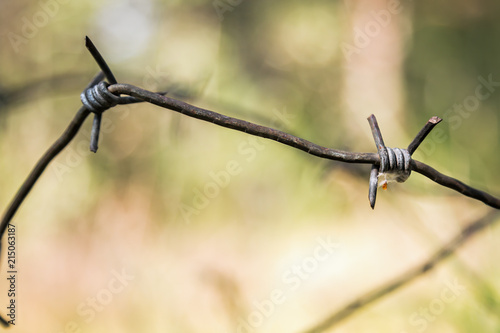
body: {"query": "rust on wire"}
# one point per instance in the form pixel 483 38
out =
pixel 137 94
pixel 395 163
pixel 423 133
pixel 384 160
pixel 296 142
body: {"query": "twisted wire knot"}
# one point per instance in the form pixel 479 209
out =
pixel 98 99
pixel 395 161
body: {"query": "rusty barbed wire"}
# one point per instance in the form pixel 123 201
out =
pixel 297 142
pixel 382 161
pixel 394 162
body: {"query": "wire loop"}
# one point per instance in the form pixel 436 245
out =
pixel 98 99
pixel 396 161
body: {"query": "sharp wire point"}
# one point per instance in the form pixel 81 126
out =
pixel 96 125
pixel 100 60
pixel 372 193
pixel 419 138
pixel 377 162
pixel 393 161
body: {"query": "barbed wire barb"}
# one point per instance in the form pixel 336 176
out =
pixel 96 125
pixel 98 96
pixel 394 162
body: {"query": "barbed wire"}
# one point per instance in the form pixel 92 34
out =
pixel 297 142
pixel 95 99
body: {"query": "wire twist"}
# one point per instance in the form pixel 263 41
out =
pixel 395 161
pixel 98 99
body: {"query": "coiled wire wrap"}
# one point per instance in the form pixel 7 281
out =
pixel 98 99
pixel 395 161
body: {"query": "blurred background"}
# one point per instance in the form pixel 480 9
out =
pixel 178 225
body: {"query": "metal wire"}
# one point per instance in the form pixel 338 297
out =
pixel 395 162
pixel 399 163
pixel 98 98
